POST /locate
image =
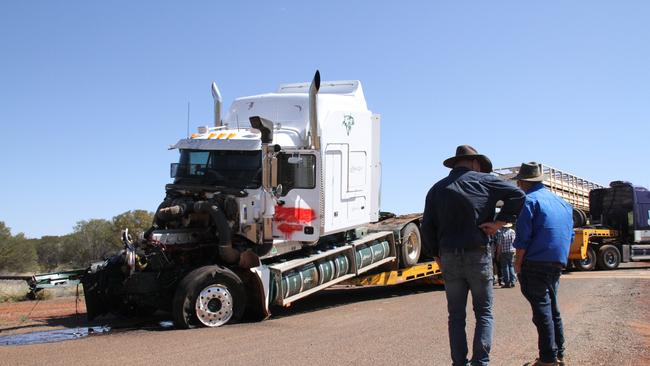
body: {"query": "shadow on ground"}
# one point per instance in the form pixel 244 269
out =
pixel 340 296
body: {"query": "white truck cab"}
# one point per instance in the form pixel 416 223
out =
pixel 325 165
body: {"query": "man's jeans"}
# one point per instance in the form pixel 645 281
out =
pixel 539 284
pixel 465 271
pixel 506 261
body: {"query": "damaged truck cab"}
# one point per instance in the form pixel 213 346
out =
pixel 275 201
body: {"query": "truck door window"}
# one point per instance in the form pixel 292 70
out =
pixel 296 171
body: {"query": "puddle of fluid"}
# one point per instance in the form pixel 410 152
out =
pixel 166 324
pixel 51 336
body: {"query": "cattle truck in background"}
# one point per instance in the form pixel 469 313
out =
pixel 276 201
pixel 611 224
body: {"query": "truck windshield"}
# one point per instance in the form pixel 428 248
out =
pixel 227 168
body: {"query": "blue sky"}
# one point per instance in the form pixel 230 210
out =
pixel 92 93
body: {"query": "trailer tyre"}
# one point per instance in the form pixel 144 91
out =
pixel 589 263
pixel 411 245
pixel 608 257
pixel 209 296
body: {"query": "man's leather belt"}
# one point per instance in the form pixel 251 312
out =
pixel 481 248
pixel 532 264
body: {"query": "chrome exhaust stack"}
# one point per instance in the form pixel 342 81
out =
pixel 313 136
pixel 216 95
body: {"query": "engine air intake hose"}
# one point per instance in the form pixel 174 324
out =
pixel 229 254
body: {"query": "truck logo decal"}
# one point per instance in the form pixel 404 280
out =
pixel 348 122
pixel 292 219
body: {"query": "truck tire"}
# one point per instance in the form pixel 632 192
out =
pixel 209 296
pixel 589 263
pixel 579 218
pixel 411 245
pixel 608 257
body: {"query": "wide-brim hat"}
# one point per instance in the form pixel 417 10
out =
pixel 530 172
pixel 466 152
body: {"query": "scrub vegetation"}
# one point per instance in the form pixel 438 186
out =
pixel 90 240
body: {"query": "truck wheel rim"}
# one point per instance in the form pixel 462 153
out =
pixel 587 261
pixel 610 258
pixel 410 247
pixel 214 306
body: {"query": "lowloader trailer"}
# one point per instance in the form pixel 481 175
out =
pixel 276 201
pixel 611 224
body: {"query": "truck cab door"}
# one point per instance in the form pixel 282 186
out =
pixel 640 249
pixel 297 214
pixel 642 223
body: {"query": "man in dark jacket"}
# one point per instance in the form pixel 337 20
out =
pixel 458 217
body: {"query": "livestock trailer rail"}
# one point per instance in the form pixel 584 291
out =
pixel 572 188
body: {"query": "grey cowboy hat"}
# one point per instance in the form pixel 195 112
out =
pixel 530 172
pixel 466 152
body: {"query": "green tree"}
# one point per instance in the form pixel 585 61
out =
pixel 49 251
pixel 17 254
pixel 5 232
pixel 137 221
pixel 92 240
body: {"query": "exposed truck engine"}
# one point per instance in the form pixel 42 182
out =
pixel 275 201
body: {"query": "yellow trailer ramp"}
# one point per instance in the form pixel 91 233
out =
pixel 580 243
pixel 428 271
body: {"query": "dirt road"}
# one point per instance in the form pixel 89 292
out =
pixel 606 316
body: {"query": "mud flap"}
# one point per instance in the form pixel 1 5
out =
pixel 257 282
pixel 94 304
pixel 96 285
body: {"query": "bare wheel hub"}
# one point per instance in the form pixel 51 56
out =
pixel 410 246
pixel 214 306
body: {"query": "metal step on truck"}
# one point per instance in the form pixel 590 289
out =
pixel 276 201
pixel 611 224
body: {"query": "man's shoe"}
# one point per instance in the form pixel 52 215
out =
pixel 539 362
pixel 560 361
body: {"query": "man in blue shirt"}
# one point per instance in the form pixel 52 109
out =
pixel 543 237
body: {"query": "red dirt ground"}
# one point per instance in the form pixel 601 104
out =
pixel 33 313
